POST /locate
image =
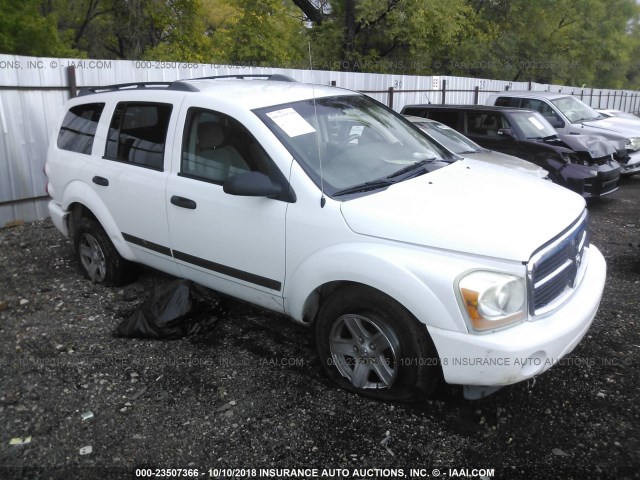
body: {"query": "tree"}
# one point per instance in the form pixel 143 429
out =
pixel 28 29
pixel 266 33
pixel 383 35
pixel 549 41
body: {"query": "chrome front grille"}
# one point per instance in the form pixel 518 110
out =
pixel 557 268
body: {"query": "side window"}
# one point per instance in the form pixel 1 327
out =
pixel 542 107
pixel 485 124
pixel 418 112
pixel 216 147
pixel 450 119
pixel 138 133
pixel 79 128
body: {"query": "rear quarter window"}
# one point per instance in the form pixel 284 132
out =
pixel 79 128
pixel 507 102
pixel 448 118
pixel 416 111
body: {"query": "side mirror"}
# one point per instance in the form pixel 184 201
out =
pixel 506 133
pixel 251 184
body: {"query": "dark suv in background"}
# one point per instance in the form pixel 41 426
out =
pixel 582 163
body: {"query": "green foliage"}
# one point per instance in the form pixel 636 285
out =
pixel 26 30
pixel 261 33
pixel 580 42
pixel 387 35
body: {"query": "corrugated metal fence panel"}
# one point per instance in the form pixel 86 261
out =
pixel 28 117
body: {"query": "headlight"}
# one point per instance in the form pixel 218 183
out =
pixel 632 144
pixel 570 158
pixel 492 300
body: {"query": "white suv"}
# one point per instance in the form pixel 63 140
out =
pixel 324 205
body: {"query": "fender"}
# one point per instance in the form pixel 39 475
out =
pixel 415 277
pixel 79 192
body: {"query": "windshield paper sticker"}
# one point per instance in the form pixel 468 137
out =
pixel 356 130
pixel 291 122
pixel 537 123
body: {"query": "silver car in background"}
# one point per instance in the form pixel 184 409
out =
pixel 465 147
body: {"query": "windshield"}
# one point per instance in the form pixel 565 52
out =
pixel 352 140
pixel 447 136
pixel 575 110
pixel 532 124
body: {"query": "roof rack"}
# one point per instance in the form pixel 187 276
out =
pixel 173 85
pixel 180 85
pixel 277 77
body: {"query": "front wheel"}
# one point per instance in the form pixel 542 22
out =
pixel 371 345
pixel 99 260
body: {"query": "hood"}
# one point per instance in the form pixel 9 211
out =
pixel 626 127
pixel 594 145
pixel 475 208
pixel 514 164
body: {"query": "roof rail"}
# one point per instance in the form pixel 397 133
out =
pixel 277 77
pixel 177 84
pixel 173 85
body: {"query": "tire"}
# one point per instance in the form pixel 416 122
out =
pixel 371 345
pixel 98 259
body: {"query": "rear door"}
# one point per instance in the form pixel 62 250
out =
pixel 130 173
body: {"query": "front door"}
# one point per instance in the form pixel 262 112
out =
pixel 232 244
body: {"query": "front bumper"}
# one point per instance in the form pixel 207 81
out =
pixel 605 182
pixel 525 350
pixel 632 166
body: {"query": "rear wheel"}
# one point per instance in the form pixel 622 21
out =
pixel 371 345
pixel 99 260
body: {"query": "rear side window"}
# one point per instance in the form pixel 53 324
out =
pixel 79 128
pixel 418 112
pixel 507 102
pixel 448 118
pixel 138 134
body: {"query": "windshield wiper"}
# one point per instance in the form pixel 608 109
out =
pixel 409 168
pixel 364 187
pixel 586 119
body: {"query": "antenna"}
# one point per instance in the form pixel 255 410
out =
pixel 323 200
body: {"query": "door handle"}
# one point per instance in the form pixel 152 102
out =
pixel 100 181
pixel 183 202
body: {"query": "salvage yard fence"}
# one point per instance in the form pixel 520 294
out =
pixel 33 91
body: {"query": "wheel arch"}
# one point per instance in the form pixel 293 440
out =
pixel 338 267
pixel 80 200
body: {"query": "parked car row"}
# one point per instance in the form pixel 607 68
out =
pixel 583 149
pixel 569 115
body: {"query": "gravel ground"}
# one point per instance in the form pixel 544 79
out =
pixel 248 393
